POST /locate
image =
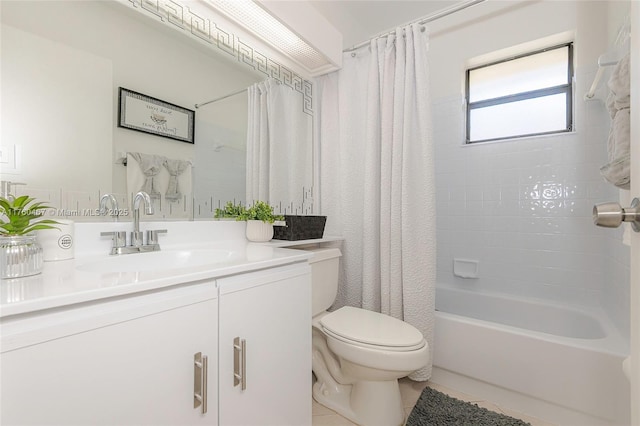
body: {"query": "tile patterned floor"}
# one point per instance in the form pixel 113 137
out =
pixel 411 391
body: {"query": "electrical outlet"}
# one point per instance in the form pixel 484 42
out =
pixel 4 155
pixel 10 159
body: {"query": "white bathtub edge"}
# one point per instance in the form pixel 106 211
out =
pixel 514 401
pixel 613 343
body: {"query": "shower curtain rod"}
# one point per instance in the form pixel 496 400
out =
pixel 220 98
pixel 429 18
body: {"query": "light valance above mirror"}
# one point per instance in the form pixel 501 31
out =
pixel 197 20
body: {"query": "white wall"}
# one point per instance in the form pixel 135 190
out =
pixel 523 207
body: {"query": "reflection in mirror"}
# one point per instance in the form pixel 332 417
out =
pixel 220 162
pixel 277 124
pixel 250 143
pixel 62 65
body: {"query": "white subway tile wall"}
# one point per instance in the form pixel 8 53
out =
pixel 523 209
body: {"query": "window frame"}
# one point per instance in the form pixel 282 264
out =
pixel 566 88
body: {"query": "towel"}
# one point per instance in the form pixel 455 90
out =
pixel 175 168
pixel 150 165
pixel 181 208
pixel 617 171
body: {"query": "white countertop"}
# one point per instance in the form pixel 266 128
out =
pixel 61 283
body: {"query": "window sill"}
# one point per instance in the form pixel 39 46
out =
pixel 524 138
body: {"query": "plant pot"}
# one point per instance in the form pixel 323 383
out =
pixel 259 231
pixel 20 256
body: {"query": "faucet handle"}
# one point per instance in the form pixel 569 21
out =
pixel 152 236
pixel 136 238
pixel 119 238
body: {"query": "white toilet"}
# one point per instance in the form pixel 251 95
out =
pixel 359 355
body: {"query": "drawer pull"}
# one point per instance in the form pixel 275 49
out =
pixel 240 363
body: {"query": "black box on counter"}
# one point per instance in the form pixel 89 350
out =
pixel 300 228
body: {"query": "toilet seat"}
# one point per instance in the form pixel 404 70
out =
pixel 373 330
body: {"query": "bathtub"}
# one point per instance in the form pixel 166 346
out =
pixel 560 364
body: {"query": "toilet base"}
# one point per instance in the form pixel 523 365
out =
pixel 364 403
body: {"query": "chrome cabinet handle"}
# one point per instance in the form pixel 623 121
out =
pixel 240 363
pixel 200 374
pixel 611 215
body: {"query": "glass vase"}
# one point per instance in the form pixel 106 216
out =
pixel 20 256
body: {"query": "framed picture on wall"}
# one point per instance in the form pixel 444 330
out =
pixel 150 115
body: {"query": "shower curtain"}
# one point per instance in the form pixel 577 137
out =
pixel 377 178
pixel 277 155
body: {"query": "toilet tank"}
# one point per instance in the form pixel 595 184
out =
pixel 324 278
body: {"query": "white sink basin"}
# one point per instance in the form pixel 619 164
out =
pixel 157 261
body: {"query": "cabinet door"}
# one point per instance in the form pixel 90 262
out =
pixel 139 371
pixel 271 312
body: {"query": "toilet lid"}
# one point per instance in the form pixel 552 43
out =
pixel 372 328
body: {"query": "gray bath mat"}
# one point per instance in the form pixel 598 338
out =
pixel 437 409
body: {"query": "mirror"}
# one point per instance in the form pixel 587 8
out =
pixel 62 65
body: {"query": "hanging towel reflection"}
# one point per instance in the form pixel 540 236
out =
pixel 617 170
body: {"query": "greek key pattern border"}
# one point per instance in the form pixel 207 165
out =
pixel 175 14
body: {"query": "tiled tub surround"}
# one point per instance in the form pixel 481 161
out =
pixel 522 208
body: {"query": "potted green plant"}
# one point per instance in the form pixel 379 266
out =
pixel 260 218
pixel 20 254
pixel 229 211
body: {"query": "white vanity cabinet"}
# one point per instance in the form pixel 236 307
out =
pixel 128 361
pixel 265 347
pixel 137 358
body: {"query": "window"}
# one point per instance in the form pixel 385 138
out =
pixel 527 95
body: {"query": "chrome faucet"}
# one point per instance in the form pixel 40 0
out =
pixel 136 243
pixel 114 211
pixel 136 235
